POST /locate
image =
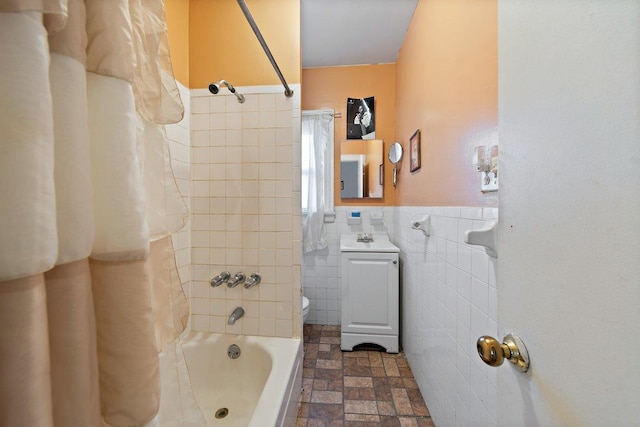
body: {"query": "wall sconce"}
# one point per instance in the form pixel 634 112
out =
pixel 485 160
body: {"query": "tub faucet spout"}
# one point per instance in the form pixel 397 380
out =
pixel 237 313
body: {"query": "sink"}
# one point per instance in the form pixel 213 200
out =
pixel 381 243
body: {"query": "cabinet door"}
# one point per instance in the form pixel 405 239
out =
pixel 370 293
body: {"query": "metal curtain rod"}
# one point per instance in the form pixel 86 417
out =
pixel 247 13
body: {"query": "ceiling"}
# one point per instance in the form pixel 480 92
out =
pixel 353 32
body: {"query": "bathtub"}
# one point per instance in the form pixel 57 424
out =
pixel 261 388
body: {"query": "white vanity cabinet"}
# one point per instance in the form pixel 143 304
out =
pixel 370 295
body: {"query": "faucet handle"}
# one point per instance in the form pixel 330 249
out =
pixel 364 238
pixel 252 281
pixel 236 280
pixel 220 279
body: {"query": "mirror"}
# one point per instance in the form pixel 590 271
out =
pixel 361 169
pixel 395 155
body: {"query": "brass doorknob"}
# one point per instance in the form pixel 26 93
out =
pixel 493 353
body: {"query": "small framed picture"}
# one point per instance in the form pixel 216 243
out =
pixel 414 145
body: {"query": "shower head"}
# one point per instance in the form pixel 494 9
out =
pixel 214 88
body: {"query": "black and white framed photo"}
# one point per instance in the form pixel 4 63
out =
pixel 361 123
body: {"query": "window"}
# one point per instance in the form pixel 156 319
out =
pixel 317 162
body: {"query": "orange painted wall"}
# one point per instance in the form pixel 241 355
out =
pixel 330 87
pixel 223 46
pixel 447 86
pixel 177 12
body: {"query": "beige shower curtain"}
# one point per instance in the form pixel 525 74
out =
pixel 89 291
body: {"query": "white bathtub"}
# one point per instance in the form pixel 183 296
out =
pixel 261 388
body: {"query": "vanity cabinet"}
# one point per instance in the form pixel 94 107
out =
pixel 370 299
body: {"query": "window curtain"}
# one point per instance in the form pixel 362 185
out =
pixel 89 292
pixel 316 137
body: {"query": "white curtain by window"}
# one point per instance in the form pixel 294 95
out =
pixel 317 179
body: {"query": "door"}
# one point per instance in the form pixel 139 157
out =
pixel 569 231
pixel 349 178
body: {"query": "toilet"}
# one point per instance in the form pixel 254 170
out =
pixel 305 309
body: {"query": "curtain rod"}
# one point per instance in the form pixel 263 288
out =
pixel 247 13
pixel 336 115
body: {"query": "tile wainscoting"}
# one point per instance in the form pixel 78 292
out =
pixel 321 269
pixel 448 300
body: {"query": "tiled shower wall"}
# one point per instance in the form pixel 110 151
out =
pixel 245 209
pixel 179 147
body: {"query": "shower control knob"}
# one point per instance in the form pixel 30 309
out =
pixel 252 281
pixel 236 280
pixel 220 279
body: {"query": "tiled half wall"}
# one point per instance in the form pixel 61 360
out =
pixel 321 269
pixel 448 300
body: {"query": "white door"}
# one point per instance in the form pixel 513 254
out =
pixel 349 179
pixel 569 233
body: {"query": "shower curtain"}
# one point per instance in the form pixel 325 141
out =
pixel 89 291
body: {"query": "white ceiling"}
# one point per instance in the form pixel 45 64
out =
pixel 353 32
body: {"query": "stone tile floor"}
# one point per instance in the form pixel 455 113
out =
pixel 356 389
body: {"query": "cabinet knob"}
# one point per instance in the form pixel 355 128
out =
pixel 395 262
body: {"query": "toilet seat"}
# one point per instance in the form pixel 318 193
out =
pixel 305 308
